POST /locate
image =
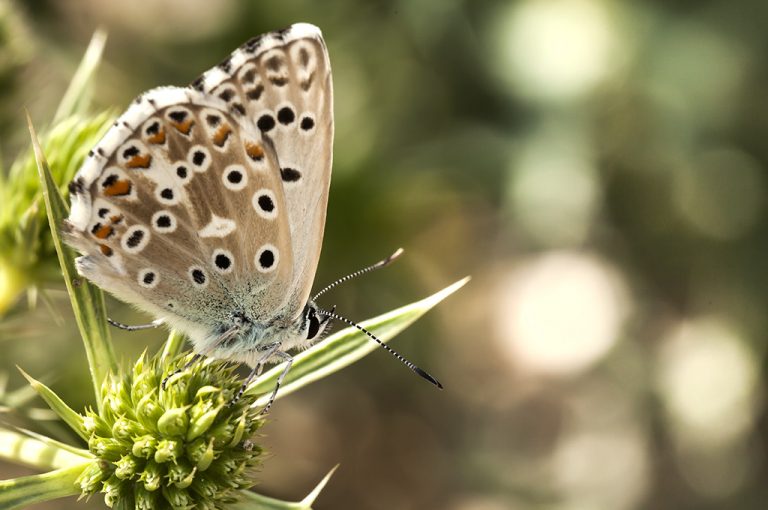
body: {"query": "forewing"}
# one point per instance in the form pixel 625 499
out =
pixel 282 82
pixel 180 210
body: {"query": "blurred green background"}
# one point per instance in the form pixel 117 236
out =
pixel 598 167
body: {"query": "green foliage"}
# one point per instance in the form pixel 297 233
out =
pixel 27 252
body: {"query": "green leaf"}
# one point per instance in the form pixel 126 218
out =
pixel 345 347
pixel 87 300
pixel 76 99
pixel 24 491
pixel 66 413
pixel 39 451
pixel 253 501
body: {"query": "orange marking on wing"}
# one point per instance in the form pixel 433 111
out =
pixel 158 138
pixel 139 161
pixel 116 219
pixel 183 127
pixel 104 232
pixel 221 135
pixel 106 250
pixel 118 189
pixel 254 150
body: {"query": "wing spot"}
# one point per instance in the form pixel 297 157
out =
pixel 140 161
pixel 221 135
pixel 102 231
pixel 278 81
pixel 304 57
pixel 178 115
pixel 164 222
pixel 239 108
pixel 266 258
pixel 306 84
pixel 113 186
pixel 130 152
pixel 235 178
pixel 167 196
pixel 307 123
pixel 274 63
pixel 181 171
pixel 222 261
pixel 76 186
pixel 285 115
pixel 227 95
pixel 181 121
pixel 226 65
pixel 135 239
pixel 197 275
pixel 255 93
pixel 290 174
pixel 254 151
pixel 199 157
pixel 249 76
pixel 155 135
pixel 266 122
pixel 265 204
pixel 148 278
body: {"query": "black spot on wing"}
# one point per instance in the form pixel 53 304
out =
pixel 290 174
pixel 227 94
pixel 178 115
pixel 198 84
pixel 266 122
pixel 77 186
pixel 285 115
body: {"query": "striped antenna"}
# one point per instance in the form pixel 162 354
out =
pixel 377 265
pixel 390 350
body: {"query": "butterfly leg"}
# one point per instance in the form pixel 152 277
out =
pixel 138 327
pixel 188 364
pixel 270 351
pixel 288 362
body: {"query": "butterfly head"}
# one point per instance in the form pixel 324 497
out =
pixel 313 323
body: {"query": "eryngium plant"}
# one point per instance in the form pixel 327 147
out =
pixel 178 447
pixel 173 447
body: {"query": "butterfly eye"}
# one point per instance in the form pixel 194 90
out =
pixel 314 326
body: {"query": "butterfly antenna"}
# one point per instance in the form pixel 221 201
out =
pixel 377 265
pixel 389 349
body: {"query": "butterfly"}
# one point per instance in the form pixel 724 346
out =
pixel 205 205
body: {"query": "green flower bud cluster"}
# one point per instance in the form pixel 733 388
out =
pixel 176 447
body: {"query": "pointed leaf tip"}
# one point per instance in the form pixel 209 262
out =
pixel 312 496
pixel 254 501
pixel 66 413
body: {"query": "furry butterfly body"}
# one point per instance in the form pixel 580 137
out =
pixel 205 205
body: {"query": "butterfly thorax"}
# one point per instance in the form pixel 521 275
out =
pixel 241 338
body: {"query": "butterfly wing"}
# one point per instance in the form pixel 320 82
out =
pixel 180 211
pixel 282 82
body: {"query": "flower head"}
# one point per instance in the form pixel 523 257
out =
pixel 167 447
